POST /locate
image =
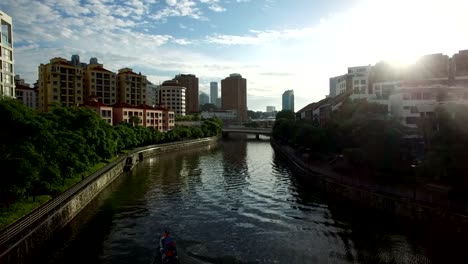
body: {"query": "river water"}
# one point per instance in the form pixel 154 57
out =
pixel 238 202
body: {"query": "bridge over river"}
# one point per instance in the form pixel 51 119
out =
pixel 247 130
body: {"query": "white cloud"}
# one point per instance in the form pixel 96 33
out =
pixel 181 8
pixel 260 37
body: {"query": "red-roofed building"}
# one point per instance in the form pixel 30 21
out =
pixel 168 118
pixel 103 110
pixel 152 117
pixel 124 112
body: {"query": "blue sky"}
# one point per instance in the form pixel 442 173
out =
pixel 276 45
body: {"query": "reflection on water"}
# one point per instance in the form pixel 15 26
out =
pixel 237 203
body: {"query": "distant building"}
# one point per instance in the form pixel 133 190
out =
pixel 204 98
pixel 190 82
pixel 270 109
pixel 234 95
pixel 171 95
pixel 288 100
pixel 151 90
pixel 218 102
pixel 223 115
pixel 7 84
pixel 214 93
pixel 25 93
pixel 131 87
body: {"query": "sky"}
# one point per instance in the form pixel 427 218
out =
pixel 276 45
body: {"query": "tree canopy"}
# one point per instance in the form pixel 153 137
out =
pixel 39 150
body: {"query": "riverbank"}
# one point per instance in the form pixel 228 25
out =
pixel 416 204
pixel 25 236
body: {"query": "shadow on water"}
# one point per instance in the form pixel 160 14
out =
pixel 370 236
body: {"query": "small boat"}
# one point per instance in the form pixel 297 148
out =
pixel 168 250
pixel 128 164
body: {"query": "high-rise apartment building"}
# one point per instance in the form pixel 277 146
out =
pixel 7 84
pixel 204 98
pixel 171 95
pixel 131 87
pixel 288 100
pixel 190 82
pixel 213 92
pixel 101 83
pixel 60 82
pixel 234 95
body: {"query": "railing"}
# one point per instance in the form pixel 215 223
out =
pixel 32 220
pixel 44 211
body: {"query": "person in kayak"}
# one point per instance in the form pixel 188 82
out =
pixel 167 246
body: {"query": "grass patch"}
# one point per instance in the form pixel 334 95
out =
pixel 19 209
pixel 23 207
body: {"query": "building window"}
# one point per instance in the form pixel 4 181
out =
pixel 125 112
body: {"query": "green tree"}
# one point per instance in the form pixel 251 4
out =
pixel 285 114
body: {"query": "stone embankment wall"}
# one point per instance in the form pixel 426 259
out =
pixel 391 204
pixel 20 240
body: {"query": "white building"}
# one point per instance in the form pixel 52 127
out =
pixel 223 115
pixel 7 84
pixel 171 96
pixel 270 109
pixel 416 101
pixel 359 77
pixel 337 85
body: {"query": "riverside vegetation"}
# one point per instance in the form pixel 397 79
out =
pixel 43 154
pixel 377 145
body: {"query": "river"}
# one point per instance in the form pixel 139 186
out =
pixel 238 202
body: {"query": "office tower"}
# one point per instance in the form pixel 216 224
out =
pixel 100 83
pixel 171 95
pixel 288 100
pixel 190 82
pixel 204 98
pixel 234 95
pixel 213 92
pixel 131 87
pixel 7 84
pixel 60 82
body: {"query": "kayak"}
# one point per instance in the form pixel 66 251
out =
pixel 168 250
